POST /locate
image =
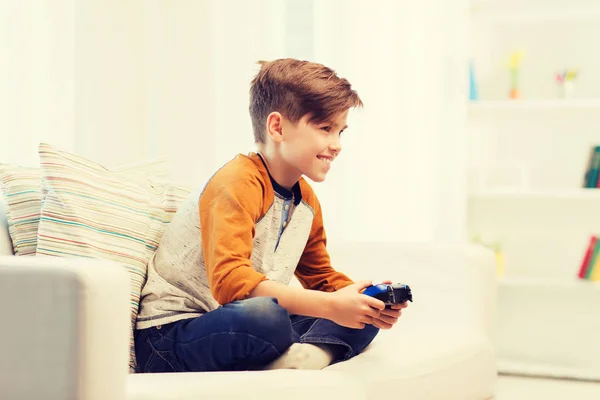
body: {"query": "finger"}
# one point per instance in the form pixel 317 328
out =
pixel 400 306
pixel 363 284
pixel 375 303
pixel 387 320
pixel 371 312
pixel 381 325
pixel 391 313
pixel 388 282
pixel 366 319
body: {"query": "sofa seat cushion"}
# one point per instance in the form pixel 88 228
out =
pixel 398 364
pixel 451 365
pixel 259 385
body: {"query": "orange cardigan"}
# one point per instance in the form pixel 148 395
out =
pixel 231 206
pixel 242 229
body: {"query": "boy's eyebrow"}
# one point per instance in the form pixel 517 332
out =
pixel 335 124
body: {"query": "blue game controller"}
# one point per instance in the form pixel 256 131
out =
pixel 390 294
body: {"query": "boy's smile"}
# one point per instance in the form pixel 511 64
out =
pixel 326 159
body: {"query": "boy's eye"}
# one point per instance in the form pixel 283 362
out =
pixel 326 128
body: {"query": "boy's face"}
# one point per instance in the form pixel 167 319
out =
pixel 310 148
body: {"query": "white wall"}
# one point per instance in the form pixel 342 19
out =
pixel 119 81
pixel 200 58
pixel 72 75
pixel 401 175
pixel 178 98
pixel 109 80
pixel 36 77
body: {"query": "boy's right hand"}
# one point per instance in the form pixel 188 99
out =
pixel 352 309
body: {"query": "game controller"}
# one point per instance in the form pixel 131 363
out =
pixel 390 294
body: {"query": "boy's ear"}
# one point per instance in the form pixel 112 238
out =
pixel 275 126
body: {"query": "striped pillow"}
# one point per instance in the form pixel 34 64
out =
pixel 21 188
pixel 90 211
pixel 21 191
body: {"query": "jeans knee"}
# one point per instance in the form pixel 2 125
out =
pixel 265 318
pixel 264 310
pixel 365 336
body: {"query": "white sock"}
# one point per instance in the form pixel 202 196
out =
pixel 303 356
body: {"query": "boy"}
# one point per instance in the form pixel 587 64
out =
pixel 217 295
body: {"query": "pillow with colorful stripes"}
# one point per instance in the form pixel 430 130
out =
pixel 92 212
pixel 21 191
pixel 21 194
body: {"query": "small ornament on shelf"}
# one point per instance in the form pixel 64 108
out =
pixel 566 82
pixel 473 92
pixel 496 247
pixel 514 64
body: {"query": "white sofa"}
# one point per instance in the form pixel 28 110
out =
pixel 549 346
pixel 65 333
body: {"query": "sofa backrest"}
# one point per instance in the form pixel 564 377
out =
pixel 6 248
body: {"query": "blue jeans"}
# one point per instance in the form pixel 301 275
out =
pixel 243 335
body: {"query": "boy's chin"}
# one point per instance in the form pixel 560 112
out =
pixel 316 177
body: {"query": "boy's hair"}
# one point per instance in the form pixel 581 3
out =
pixel 295 88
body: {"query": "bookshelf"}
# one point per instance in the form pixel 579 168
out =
pixel 547 105
pixel 548 283
pixel 537 195
pixel 539 16
pixel 544 138
pixel 536 208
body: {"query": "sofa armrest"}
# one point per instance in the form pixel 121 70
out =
pixel 65 328
pixel 453 285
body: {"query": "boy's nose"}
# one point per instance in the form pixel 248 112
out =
pixel 336 146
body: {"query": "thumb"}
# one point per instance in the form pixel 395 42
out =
pixel 360 285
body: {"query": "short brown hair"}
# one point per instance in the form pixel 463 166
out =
pixel 295 88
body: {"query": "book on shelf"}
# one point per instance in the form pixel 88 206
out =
pixel 592 170
pixel 590 265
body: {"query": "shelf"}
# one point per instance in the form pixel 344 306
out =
pixel 534 105
pixel 571 194
pixel 574 283
pixel 482 10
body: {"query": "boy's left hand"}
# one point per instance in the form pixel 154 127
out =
pixel 389 316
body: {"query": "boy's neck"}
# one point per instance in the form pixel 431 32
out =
pixel 278 168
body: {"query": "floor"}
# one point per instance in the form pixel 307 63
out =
pixel 518 388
